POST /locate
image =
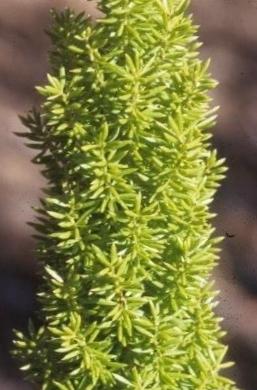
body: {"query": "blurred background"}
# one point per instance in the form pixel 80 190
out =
pixel 228 29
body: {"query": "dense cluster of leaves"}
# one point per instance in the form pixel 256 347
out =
pixel 124 229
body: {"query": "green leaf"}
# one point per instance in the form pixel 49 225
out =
pixel 121 379
pixel 55 214
pixel 54 274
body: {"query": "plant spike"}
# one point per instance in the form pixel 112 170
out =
pixel 124 229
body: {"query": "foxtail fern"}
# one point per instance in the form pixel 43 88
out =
pixel 124 230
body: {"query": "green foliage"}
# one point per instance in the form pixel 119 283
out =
pixel 124 231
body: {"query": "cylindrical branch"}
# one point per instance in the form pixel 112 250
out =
pixel 109 175
pixel 116 295
pixel 78 345
pixel 139 232
pixel 128 247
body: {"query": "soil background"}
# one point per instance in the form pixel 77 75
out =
pixel 228 29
